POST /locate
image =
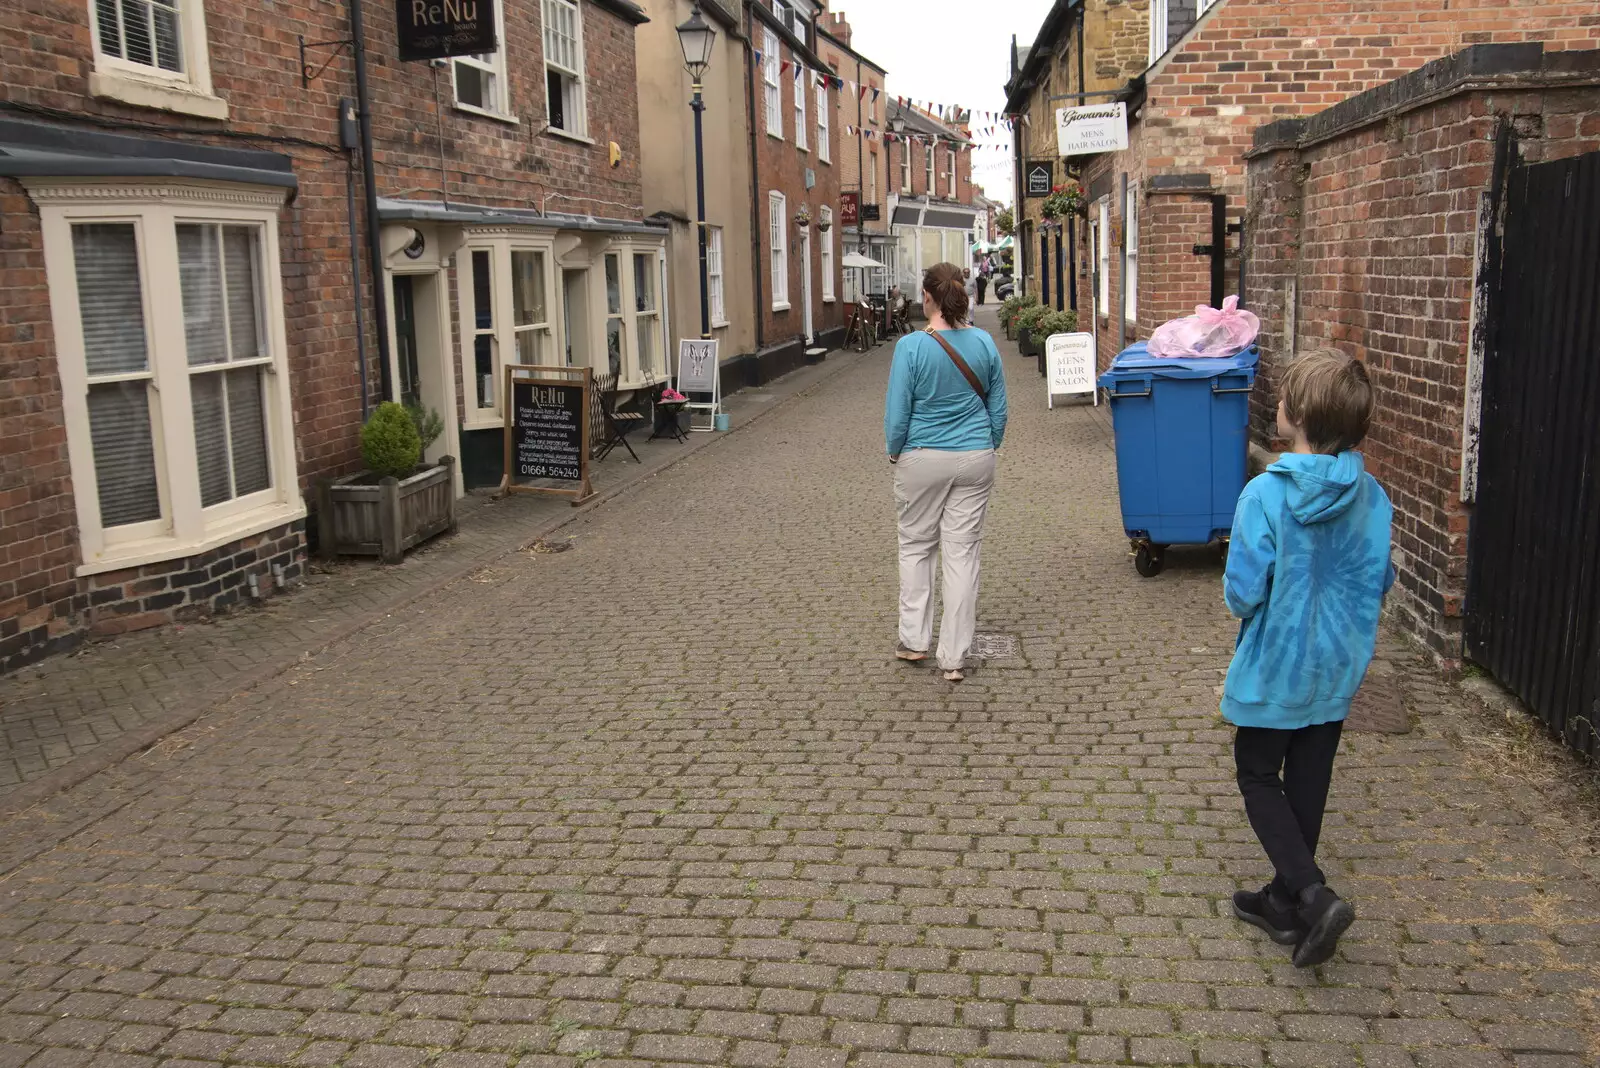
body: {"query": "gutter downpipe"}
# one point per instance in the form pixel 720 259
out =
pixel 755 172
pixel 380 299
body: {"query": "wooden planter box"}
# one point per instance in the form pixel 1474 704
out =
pixel 359 517
pixel 1024 341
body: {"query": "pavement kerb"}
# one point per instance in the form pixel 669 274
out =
pixel 65 777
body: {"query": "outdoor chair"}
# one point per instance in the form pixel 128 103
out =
pixel 618 424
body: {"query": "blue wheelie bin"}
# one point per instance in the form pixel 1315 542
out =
pixel 1182 429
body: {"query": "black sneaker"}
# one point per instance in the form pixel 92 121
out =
pixel 1326 916
pixel 1263 909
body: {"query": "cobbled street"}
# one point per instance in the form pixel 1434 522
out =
pixel 666 798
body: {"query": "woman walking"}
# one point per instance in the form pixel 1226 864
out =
pixel 944 417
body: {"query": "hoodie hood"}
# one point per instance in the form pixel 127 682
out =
pixel 1321 487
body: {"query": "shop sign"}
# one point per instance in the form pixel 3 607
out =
pixel 1038 176
pixel 870 213
pixel 547 431
pixel 1085 131
pixel 1069 364
pixel 849 209
pixel 437 29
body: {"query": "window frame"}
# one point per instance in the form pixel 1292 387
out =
pixel 1130 232
pixel 503 328
pixel 637 316
pixel 905 167
pixel 185 526
pixel 1157 44
pixel 717 297
pixel 824 149
pixel 778 251
pixel 825 215
pixel 928 166
pixel 495 66
pixel 1103 262
pixel 188 91
pixel 801 119
pixel 580 76
pixel 950 175
pixel 772 88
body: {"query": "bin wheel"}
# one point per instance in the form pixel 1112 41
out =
pixel 1148 561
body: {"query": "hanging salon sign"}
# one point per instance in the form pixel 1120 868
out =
pixel 436 29
pixel 1038 176
pixel 1084 131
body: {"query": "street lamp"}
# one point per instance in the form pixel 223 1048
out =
pixel 696 37
pixel 898 125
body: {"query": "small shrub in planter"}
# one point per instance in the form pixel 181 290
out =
pixel 395 504
pixel 1028 320
pixel 1057 322
pixel 1008 312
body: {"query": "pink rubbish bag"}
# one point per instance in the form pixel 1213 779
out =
pixel 1224 331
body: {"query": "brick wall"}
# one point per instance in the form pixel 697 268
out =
pixel 46 61
pixel 1253 61
pixel 1363 240
pixel 782 166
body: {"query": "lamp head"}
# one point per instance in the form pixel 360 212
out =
pixel 696 37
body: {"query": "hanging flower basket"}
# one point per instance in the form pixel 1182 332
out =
pixel 1065 199
pixel 802 218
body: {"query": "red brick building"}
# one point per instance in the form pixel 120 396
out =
pixel 1211 81
pixel 179 350
pixel 1366 234
pixel 795 162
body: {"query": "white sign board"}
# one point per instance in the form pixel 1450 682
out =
pixel 1084 131
pixel 697 366
pixel 698 373
pixel 1069 366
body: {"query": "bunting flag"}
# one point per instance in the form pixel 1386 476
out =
pixel 784 67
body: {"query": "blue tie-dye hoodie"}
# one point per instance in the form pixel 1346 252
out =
pixel 1308 567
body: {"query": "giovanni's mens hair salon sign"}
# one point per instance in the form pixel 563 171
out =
pixel 435 29
pixel 1095 128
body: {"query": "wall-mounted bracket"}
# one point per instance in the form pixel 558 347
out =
pixel 307 75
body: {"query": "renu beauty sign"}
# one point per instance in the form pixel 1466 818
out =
pixel 435 29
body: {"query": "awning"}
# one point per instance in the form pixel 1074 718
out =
pixel 44 150
pixel 856 259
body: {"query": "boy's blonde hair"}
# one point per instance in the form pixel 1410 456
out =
pixel 1329 397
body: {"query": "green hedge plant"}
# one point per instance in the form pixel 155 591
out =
pixel 1057 322
pixel 1029 318
pixel 389 442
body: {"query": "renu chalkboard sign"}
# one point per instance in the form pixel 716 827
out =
pixel 547 431
pixel 435 29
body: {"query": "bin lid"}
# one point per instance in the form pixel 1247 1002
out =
pixel 1136 360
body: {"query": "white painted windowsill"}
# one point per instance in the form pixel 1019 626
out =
pixel 143 93
pixel 160 550
pixel 565 135
pixel 486 113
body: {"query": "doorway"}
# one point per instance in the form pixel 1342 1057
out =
pixel 420 353
pixel 805 282
pixel 405 340
pixel 575 317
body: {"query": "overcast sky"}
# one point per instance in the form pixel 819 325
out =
pixel 949 52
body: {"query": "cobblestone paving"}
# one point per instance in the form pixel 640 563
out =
pixel 55 712
pixel 666 799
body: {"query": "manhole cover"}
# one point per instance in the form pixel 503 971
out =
pixel 994 646
pixel 1379 707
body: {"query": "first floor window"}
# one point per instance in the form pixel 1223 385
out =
pixel 905 167
pixel 778 242
pixel 480 82
pixel 145 33
pixel 772 94
pixel 714 295
pixel 169 338
pixel 950 174
pixel 826 218
pixel 823 149
pixel 932 188
pixel 564 67
pixel 800 120
pixel 1130 224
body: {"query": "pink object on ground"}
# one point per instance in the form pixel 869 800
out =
pixel 1224 331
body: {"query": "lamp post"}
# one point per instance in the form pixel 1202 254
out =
pixel 898 126
pixel 696 37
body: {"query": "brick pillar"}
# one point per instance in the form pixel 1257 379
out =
pixel 1274 216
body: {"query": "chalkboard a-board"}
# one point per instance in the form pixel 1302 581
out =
pixel 547 431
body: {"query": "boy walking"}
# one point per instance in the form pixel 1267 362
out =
pixel 1308 568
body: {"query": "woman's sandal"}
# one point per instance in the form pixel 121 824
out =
pixel 954 675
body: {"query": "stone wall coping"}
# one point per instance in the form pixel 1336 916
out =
pixel 1487 66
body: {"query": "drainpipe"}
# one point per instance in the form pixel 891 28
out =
pixel 1122 288
pixel 380 299
pixel 755 173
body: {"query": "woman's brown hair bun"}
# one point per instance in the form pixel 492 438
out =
pixel 948 287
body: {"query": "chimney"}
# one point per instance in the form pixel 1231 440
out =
pixel 837 25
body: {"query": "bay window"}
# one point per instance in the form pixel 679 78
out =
pixel 647 316
pixel 168 317
pixel 506 293
pixel 614 330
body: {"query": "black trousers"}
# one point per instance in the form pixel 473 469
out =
pixel 1284 777
pixel 983 284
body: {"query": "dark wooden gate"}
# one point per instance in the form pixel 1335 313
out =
pixel 1533 583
